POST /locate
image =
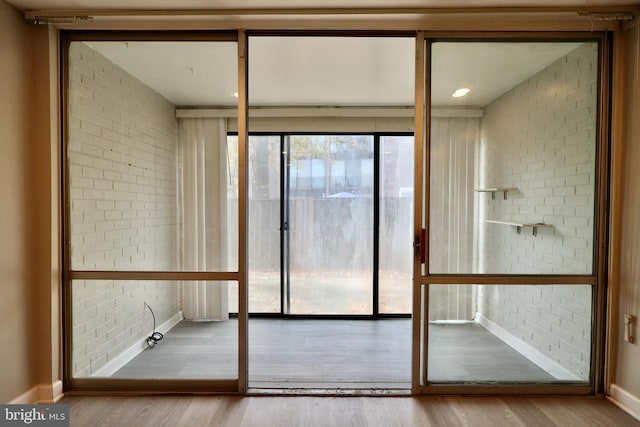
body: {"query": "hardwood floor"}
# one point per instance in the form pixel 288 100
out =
pixel 232 411
pixel 312 353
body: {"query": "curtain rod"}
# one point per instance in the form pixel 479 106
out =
pixel 72 15
pixel 317 112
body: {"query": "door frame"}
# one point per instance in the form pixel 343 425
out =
pixel 421 209
pixel 423 278
pixel 126 386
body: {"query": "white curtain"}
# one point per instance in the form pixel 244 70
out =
pixel 203 145
pixel 454 144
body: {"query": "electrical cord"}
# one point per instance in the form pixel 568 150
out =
pixel 155 337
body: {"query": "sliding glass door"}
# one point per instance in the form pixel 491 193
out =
pixel 395 209
pixel 151 214
pixel 342 109
pixel 329 224
pixel 509 278
pixel 189 204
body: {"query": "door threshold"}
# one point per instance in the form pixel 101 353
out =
pixel 346 389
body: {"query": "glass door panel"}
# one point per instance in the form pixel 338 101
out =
pixel 264 223
pixel 396 224
pixel 151 213
pixel 330 224
pixel 148 191
pixel 513 156
pixel 512 191
pixel 509 334
pixel 143 335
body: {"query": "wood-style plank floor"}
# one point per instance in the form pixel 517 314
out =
pixel 330 353
pixel 295 353
pixel 469 353
pixel 201 411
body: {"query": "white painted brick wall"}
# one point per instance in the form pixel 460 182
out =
pixel 122 154
pixel 540 137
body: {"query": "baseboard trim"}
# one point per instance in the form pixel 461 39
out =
pixel 57 391
pixel 126 356
pixel 544 362
pixel 28 397
pixel 625 401
pixel 40 394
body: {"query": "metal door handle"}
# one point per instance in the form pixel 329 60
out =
pixel 419 246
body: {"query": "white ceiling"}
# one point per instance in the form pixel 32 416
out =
pixel 352 71
pixel 334 71
pixel 487 69
pixel 185 73
pixel 307 71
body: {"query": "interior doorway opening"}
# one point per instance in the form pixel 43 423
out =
pixel 330 185
pixel 330 255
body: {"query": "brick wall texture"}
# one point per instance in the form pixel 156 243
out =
pixel 540 138
pixel 123 183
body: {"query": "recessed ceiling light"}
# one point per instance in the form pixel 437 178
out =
pixel 460 92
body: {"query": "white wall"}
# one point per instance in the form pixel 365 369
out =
pixel 627 372
pixel 123 184
pixel 29 288
pixel 540 138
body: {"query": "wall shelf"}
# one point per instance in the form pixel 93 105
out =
pixel 519 226
pixel 494 190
